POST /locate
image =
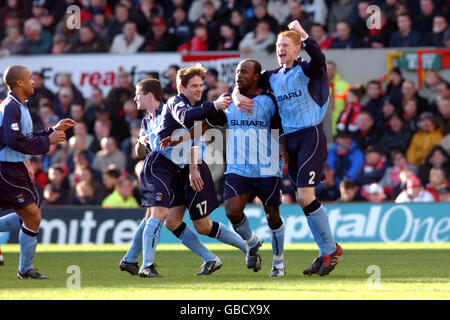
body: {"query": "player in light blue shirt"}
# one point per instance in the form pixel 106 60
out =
pixel 302 91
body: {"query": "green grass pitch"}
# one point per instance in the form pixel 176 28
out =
pixel 406 271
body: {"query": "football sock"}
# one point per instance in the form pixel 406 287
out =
pixel 10 222
pixel 317 218
pixel 150 240
pixel 190 240
pixel 225 235
pixel 27 244
pixel 244 230
pixel 136 245
pixel 277 236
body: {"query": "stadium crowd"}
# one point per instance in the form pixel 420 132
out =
pixel 391 140
pixel 126 26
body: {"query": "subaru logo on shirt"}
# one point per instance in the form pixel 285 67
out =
pixel 294 94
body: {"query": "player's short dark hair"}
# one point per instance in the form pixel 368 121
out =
pixel 256 65
pixel 153 86
pixel 184 75
pixel 12 74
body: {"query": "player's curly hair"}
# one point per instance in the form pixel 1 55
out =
pixel 187 73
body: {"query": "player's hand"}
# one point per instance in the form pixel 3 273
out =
pixel 297 27
pixel 243 103
pixel 64 124
pixel 144 140
pixel 57 136
pixel 195 179
pixel 167 141
pixel 223 102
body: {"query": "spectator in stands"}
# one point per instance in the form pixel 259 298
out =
pixel 213 23
pixel 80 131
pixel 58 189
pixel 122 91
pixel 77 112
pixel 221 88
pixel 438 157
pixel 340 11
pixel 102 129
pixel 121 16
pixel 396 135
pixel 347 120
pixel 13 43
pixel 40 177
pixel 109 154
pixel 318 33
pixel 380 37
pixel 368 134
pixel 439 185
pixel 201 41
pixel 394 87
pixel 179 26
pixel 160 39
pixel 100 23
pixel 122 196
pixel 13 9
pixel 237 21
pixel 429 86
pixel 46 113
pixel 409 91
pixel 328 189
pixel 262 39
pixel 424 20
pixel 374 167
pixel 211 80
pixel 279 9
pixel 170 89
pixel 388 8
pixel 40 90
pixel 339 88
pixel 391 180
pixel 110 177
pixel 344 157
pixel 60 45
pixel 359 27
pixel 405 36
pixel 423 141
pixel 77 146
pixel 57 154
pixel 435 38
pixel 317 10
pixel 344 38
pixel 388 110
pixel 261 14
pixel 196 9
pixel 375 103
pixel 96 100
pixel 414 192
pixel 446 38
pixel 85 194
pixel 411 114
pixel 62 104
pixel 88 42
pixel 129 41
pixel 443 105
pixel 375 193
pixel 63 80
pixel 296 12
pixel 229 38
pixel 128 144
pixel 349 192
pixel 37 41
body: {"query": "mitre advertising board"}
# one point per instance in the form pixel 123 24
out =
pixel 349 223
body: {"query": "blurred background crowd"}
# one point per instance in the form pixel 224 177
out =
pixel 391 141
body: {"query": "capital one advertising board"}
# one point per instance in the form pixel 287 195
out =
pixel 349 223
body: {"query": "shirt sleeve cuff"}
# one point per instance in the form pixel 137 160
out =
pixel 305 38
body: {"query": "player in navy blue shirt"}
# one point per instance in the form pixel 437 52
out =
pixel 17 143
pixel 302 91
pixel 167 177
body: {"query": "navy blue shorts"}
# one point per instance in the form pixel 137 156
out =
pixel 307 150
pixel 16 188
pixel 165 184
pixel 266 189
